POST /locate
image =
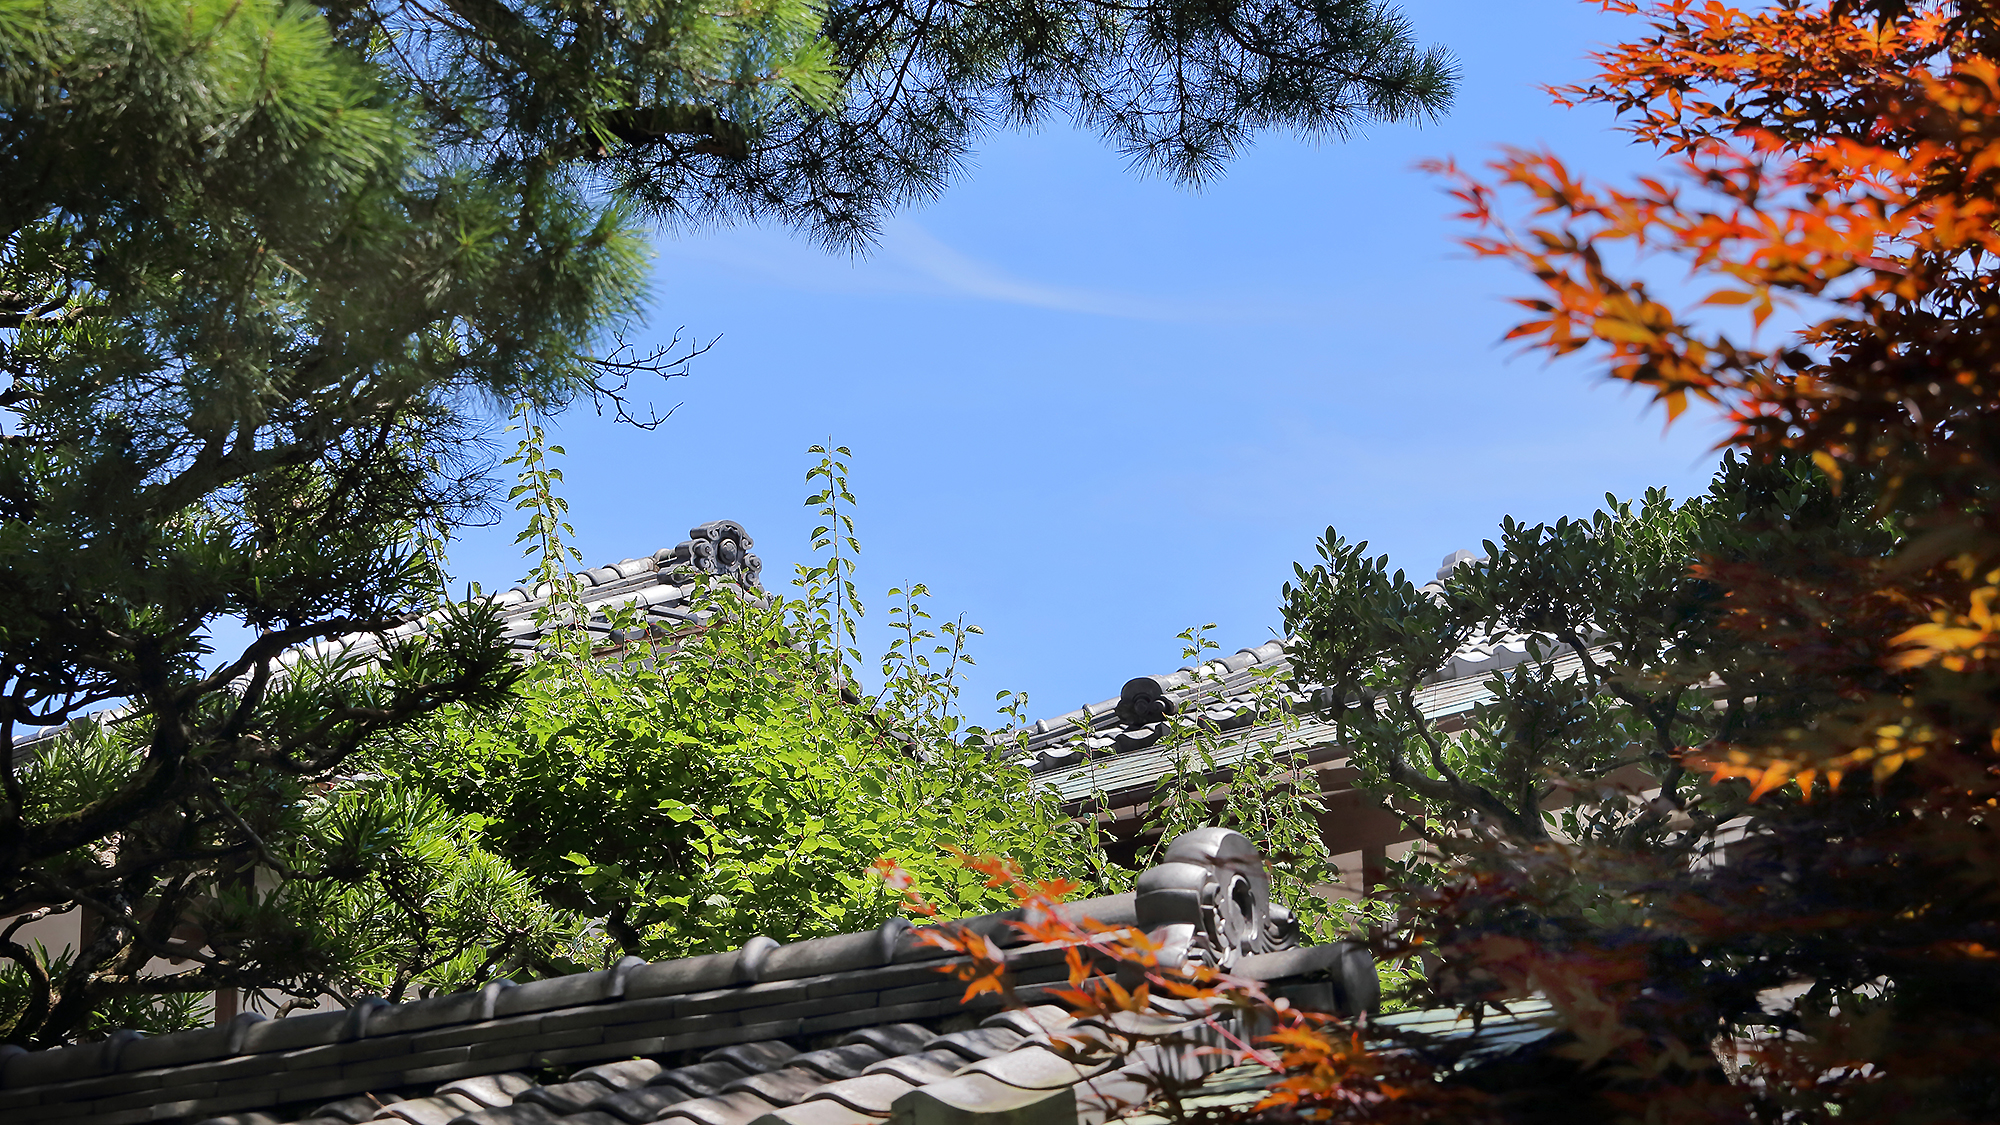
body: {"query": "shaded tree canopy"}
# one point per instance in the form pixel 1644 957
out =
pixel 825 118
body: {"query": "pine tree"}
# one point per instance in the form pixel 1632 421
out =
pixel 827 121
pixel 250 323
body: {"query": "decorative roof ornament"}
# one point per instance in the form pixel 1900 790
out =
pixel 1457 559
pixel 1209 902
pixel 1143 701
pixel 720 548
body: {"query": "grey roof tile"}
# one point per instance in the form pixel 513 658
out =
pixel 818 956
pixel 689 974
pixel 753 1058
pixel 639 1106
pixel 1036 1067
pixel 779 1087
pixel 1138 738
pixel 520 1113
pixel 970 1098
pixel 489 1090
pixel 556 992
pixel 421 1015
pixel 1132 1024
pixel 760 995
pixel 979 1043
pixel 1111 1095
pixel 1037 1019
pixel 918 1069
pixel 430 1111
pixel 719 548
pixel 817 1113
pixel 295 1031
pixel 1524 1023
pixel 564 1097
pixel 701 1079
pixel 623 1075
pixel 176 1050
pixel 356 1109
pixel 872 1094
pixel 838 1062
pixel 737 1108
pixel 1225 691
pixel 853 994
pixel 893 1038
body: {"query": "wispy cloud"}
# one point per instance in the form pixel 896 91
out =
pixel 909 259
pixel 958 273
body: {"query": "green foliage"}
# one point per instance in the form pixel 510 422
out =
pixel 152 1014
pixel 430 911
pixel 826 116
pixel 548 533
pixel 1559 812
pixel 728 780
pixel 1628 659
pixel 362 888
pixel 831 601
pixel 248 325
pixel 1258 772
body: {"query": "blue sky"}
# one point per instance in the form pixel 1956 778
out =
pixel 1089 409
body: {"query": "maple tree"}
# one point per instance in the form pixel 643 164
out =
pixel 1832 189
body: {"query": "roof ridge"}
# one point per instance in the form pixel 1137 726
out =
pixel 716 549
pixel 856 988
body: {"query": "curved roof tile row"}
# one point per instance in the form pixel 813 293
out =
pixel 843 1030
pixel 1099 748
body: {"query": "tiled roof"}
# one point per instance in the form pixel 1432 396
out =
pixel 660 587
pixel 847 1030
pixel 1521 1025
pixel 1119 744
